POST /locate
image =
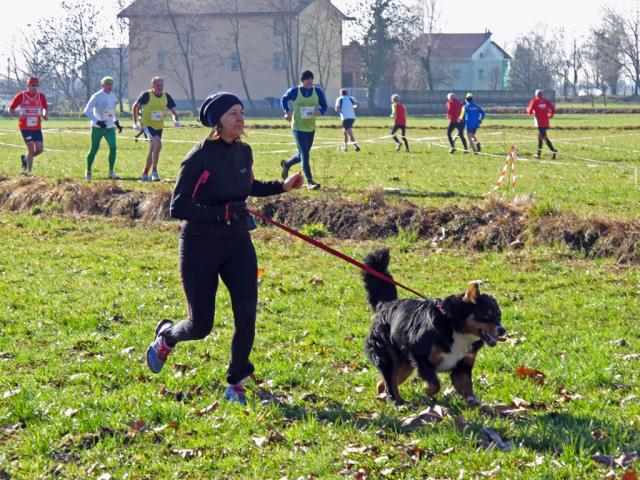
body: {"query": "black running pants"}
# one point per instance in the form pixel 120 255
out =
pixel 232 258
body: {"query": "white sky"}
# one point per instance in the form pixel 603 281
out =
pixel 507 19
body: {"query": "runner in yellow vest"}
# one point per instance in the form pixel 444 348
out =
pixel 307 102
pixel 154 104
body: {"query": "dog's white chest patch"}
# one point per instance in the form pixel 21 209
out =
pixel 461 346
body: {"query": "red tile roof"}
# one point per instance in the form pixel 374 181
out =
pixel 455 46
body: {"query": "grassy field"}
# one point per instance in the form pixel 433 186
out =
pixel 80 298
pixel 596 171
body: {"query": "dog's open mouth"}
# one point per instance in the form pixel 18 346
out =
pixel 488 338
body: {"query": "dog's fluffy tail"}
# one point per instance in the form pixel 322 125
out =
pixel 378 290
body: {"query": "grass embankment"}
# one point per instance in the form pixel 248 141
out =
pixel 596 171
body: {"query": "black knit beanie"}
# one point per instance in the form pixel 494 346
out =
pixel 215 106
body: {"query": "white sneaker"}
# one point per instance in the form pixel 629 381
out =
pixel 235 394
pixel 113 176
pixel 155 177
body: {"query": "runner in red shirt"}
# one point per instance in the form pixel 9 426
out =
pixel 543 110
pixel 33 108
pixel 399 114
pixel 454 107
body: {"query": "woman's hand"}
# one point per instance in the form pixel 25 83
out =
pixel 293 182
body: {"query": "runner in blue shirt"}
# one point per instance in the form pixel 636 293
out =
pixel 473 116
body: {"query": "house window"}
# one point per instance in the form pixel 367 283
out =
pixel 234 62
pixel 161 58
pixel 481 74
pixel 279 62
pixel 456 74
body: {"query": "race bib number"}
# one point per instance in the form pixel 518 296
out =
pixel 307 112
pixel 32 121
pixel 157 115
pixel 108 115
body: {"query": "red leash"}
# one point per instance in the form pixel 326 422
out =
pixel 332 251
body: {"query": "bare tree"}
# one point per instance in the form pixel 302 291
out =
pixel 234 21
pixel 535 61
pixel 570 64
pixel 495 80
pixel 603 58
pixel 626 27
pixel 324 35
pixel 81 36
pixel 61 62
pixel 431 22
pixel 385 26
pixel 120 32
pixel 289 35
pixel 185 35
pixel 184 29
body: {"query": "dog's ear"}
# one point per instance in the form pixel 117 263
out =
pixel 473 292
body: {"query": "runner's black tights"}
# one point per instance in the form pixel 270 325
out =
pixel 232 257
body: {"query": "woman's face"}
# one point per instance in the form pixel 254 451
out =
pixel 232 122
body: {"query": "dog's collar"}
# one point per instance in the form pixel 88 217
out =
pixel 439 304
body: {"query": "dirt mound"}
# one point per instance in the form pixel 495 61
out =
pixel 24 194
pixel 491 225
pixel 594 237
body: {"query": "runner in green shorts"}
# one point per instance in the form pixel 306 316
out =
pixel 101 110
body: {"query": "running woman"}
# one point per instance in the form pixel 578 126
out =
pixel 101 110
pixel 454 108
pixel 543 110
pixel 33 108
pixel 399 115
pixel 153 104
pixel 346 106
pixel 215 241
pixel 472 115
pixel 307 102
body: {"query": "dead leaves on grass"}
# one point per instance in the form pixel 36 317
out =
pixel 135 427
pixel 517 408
pixel 187 453
pixel 273 437
pixel 525 372
pixel 11 429
pixel 208 409
pixel 435 414
pixel 623 460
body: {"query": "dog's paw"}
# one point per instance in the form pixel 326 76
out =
pixel 473 401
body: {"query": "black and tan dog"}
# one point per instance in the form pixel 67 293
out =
pixel 434 335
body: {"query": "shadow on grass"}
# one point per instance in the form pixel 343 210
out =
pixel 549 433
pixel 557 431
pixel 410 193
pixel 404 192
